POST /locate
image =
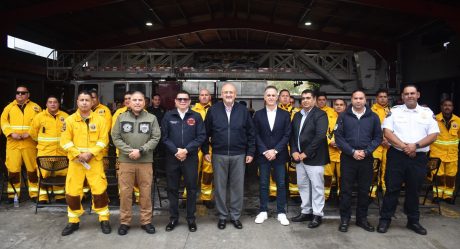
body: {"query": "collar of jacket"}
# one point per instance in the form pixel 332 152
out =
pixel 201 106
pixel 140 114
pixel 176 112
pixel 25 103
pixel 78 116
pixel 350 112
pixel 48 113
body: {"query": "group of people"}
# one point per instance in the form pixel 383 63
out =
pixel 313 146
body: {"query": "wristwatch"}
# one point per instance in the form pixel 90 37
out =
pixel 141 150
pixel 417 145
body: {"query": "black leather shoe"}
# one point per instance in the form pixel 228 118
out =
pixel 149 228
pixel 364 224
pixel 33 199
pixel 123 229
pixel 315 222
pixel 237 224
pixel 221 224
pixel 105 227
pixel 343 227
pixel 416 227
pixel 171 225
pixel 383 226
pixel 209 204
pixel 70 228
pixel 192 226
pixel 302 217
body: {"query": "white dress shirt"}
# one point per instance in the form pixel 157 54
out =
pixel 411 125
pixel 271 115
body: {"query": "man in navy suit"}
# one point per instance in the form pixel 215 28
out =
pixel 272 126
pixel 310 151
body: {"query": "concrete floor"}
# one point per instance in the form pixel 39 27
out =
pixel 21 228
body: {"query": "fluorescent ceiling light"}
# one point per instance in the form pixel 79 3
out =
pixel 307 23
pixel 149 24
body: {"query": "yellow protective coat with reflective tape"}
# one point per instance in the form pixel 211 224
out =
pixel 16 121
pixel 79 137
pixel 446 145
pixel 46 130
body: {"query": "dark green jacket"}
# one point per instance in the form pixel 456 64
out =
pixel 131 132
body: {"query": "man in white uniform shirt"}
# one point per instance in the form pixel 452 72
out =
pixel 410 129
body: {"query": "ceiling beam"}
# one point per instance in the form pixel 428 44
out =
pixel 249 10
pixel 210 10
pixel 447 12
pixel 231 23
pixel 182 11
pixel 307 11
pixel 199 37
pixel 415 7
pixel 157 17
pixel 272 16
pixel 50 8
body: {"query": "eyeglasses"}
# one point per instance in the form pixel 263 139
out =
pixel 21 93
pixel 182 99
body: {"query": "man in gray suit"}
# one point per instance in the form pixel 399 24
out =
pixel 310 151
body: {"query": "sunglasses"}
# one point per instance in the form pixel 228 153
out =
pixel 182 99
pixel 21 93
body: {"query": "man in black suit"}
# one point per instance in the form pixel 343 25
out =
pixel 272 126
pixel 309 150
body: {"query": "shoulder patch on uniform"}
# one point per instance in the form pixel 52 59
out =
pixel 36 108
pixel 191 121
pixel 388 114
pixel 144 127
pixel 102 111
pixel 63 126
pixel 62 119
pixel 127 127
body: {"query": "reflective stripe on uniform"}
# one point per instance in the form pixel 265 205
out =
pixel 48 139
pixel 20 127
pixel 452 142
pixel 71 214
pixel 83 149
pixel 103 212
pixel 58 192
pixel 33 189
pixel 67 145
pixel 11 190
pixel 101 144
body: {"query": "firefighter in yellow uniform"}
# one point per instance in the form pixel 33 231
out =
pixel 446 148
pixel 321 102
pixel 104 112
pixel 20 147
pixel 382 109
pixel 333 168
pixel 84 138
pixel 206 166
pixel 285 104
pixel 46 129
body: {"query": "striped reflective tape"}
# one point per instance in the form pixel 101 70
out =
pixel 452 142
pixel 49 139
pixel 100 144
pixel 68 145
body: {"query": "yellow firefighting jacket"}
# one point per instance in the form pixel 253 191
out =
pixel 105 113
pixel 201 109
pixel 334 152
pixel 446 145
pixel 84 136
pixel 116 114
pixel 16 121
pixel 382 112
pixel 46 130
pixel 289 108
